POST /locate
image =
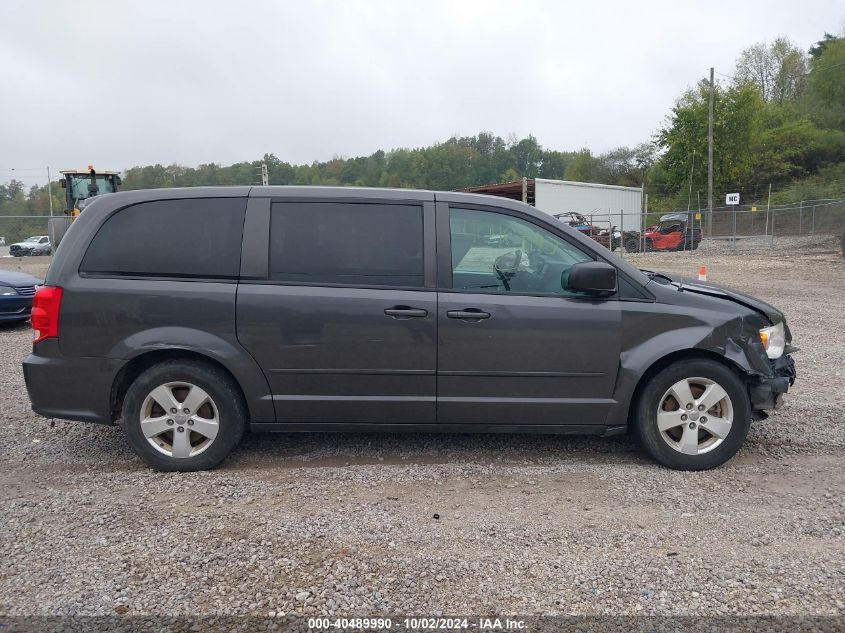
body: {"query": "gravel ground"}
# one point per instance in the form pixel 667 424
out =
pixel 419 524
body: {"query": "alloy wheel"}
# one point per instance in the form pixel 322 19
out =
pixel 179 419
pixel 695 415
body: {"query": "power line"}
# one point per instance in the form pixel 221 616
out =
pixel 724 75
pixel 818 70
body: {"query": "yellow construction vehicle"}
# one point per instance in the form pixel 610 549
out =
pixel 80 186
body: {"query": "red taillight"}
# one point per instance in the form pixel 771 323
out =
pixel 45 312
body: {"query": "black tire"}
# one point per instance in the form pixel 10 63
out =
pixel 645 414
pixel 632 245
pixel 649 246
pixel 225 394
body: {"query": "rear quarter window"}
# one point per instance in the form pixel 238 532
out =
pixel 170 238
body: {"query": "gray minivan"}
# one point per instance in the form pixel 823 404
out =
pixel 190 315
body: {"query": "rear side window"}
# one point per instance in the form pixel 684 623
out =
pixel 170 238
pixel 347 243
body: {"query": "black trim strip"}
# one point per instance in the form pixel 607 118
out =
pixel 374 372
pixel 526 374
pixel 487 400
pixel 478 427
pixel 321 398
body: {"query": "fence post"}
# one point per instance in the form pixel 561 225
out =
pixel 621 232
pixel 733 236
pixel 801 218
pixel 813 228
pixel 772 239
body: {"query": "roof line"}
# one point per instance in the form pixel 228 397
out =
pixel 587 184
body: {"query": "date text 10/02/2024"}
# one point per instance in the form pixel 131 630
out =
pixel 417 624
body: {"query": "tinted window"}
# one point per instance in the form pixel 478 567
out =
pixel 498 253
pixel 171 238
pixel 347 243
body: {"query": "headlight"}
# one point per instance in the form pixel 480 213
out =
pixel 5 291
pixel 774 340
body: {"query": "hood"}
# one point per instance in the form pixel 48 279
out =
pixel 721 292
pixel 11 278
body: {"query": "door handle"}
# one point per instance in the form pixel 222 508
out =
pixel 470 314
pixel 405 312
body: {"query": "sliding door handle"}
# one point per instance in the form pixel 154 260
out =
pixel 470 314
pixel 405 312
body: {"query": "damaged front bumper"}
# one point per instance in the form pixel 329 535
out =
pixel 766 392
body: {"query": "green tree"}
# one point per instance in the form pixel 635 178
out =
pixel 736 124
pixel 778 69
pixel 826 85
pixel 583 167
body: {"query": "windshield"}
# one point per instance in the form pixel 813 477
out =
pixel 34 238
pixel 79 186
pixel 671 224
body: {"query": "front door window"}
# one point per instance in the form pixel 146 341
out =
pixel 498 253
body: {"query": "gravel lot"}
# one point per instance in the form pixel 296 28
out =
pixel 348 524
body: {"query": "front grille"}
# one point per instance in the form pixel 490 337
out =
pixel 25 291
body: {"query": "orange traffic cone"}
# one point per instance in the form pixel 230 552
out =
pixel 702 273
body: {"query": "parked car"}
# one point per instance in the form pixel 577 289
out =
pixel 674 232
pixel 35 245
pixel 16 293
pixel 328 309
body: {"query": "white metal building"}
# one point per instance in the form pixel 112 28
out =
pixel 601 204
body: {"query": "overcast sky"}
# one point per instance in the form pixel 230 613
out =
pixel 118 84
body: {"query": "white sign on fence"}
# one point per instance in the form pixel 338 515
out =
pixel 732 198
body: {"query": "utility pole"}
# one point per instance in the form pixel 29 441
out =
pixel 710 160
pixel 265 178
pixel 689 195
pixel 49 190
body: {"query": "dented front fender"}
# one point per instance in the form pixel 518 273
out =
pixel 679 324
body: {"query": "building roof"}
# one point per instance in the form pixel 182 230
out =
pixel 512 190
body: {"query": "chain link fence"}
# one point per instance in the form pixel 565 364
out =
pixel 736 228
pixel 809 217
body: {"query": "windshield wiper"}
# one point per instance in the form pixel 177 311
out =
pixel 651 275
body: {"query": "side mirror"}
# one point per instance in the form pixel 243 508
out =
pixel 593 277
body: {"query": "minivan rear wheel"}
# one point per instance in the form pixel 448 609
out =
pixel 693 415
pixel 183 416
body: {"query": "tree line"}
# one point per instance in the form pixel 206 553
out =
pixel 779 120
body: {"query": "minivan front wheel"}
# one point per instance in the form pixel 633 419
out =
pixel 693 415
pixel 183 416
